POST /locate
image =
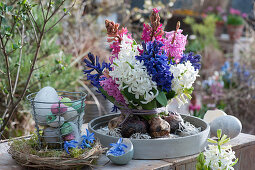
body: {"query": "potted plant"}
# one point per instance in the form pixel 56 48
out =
pixel 235 24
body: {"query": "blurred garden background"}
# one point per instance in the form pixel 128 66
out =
pixel 221 31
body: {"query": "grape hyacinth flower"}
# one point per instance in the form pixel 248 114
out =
pixel 94 65
pixel 117 149
pixel 70 144
pixel 157 65
pixel 87 140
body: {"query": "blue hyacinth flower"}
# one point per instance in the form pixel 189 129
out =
pixel 194 60
pixel 157 64
pixel 87 140
pixel 117 149
pixel 92 64
pixel 70 144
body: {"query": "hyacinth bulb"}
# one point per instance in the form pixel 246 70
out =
pixel 134 125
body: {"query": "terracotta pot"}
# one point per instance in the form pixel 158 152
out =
pixel 219 28
pixel 235 32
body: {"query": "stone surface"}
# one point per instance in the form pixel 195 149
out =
pixel 210 115
pixel 230 126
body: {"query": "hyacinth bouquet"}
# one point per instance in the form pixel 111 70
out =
pixel 142 79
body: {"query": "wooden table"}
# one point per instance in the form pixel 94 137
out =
pixel 243 145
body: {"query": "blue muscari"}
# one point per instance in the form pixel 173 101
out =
pixel 157 64
pixel 70 144
pixel 194 60
pixel 93 64
pixel 117 149
pixel 85 143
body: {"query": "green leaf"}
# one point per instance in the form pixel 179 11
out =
pixel 170 95
pixel 219 133
pixel 130 65
pixel 234 162
pixel 161 98
pixel 211 141
pixel 64 9
pixel 24 1
pixel 15 46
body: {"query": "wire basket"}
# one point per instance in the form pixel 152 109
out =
pixel 59 121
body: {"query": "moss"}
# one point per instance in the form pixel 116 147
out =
pixel 31 146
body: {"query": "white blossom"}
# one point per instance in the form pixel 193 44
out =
pixel 213 156
pixel 184 77
pixel 132 74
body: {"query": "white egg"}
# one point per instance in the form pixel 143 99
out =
pixel 230 126
pixel 46 94
pixel 71 114
pixel 210 115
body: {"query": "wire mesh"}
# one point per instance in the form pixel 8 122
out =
pixel 56 122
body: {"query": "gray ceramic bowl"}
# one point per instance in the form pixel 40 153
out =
pixel 125 158
pixel 158 148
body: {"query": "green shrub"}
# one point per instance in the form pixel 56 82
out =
pixel 235 20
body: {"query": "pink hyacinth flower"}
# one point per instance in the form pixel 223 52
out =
pixel 156 10
pixel 109 85
pixel 244 15
pixel 146 35
pixel 176 48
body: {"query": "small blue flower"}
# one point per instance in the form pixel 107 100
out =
pixel 117 149
pixel 87 140
pixel 70 144
pixel 194 60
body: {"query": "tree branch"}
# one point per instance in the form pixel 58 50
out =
pixel 7 67
pixel 53 13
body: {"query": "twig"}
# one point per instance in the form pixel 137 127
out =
pixel 48 10
pixel 7 68
pixel 36 38
pixel 60 18
pixel 53 13
pixel 33 18
pixel 42 10
pixel 20 55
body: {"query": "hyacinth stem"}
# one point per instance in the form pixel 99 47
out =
pixel 178 25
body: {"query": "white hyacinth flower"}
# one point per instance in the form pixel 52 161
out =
pixel 184 77
pixel 225 157
pixel 132 74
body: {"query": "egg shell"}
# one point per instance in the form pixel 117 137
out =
pixel 66 101
pixel 51 135
pixel 210 115
pixel 66 129
pixel 57 122
pixel 78 106
pixel 58 109
pixel 125 158
pixel 230 126
pixel 46 94
pixel 71 114
pixel 69 137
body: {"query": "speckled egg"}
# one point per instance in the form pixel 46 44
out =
pixel 230 126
